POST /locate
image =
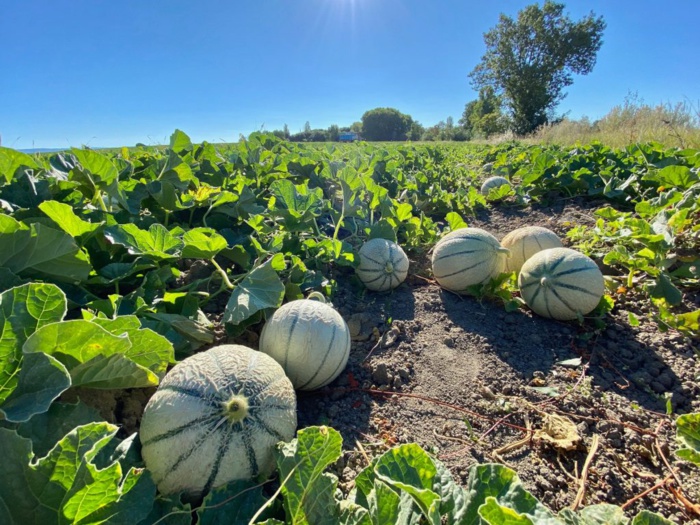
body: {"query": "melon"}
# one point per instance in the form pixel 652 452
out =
pixel 383 265
pixel 216 417
pixel 310 339
pixel 561 283
pixel 493 182
pixel 525 242
pixel 466 257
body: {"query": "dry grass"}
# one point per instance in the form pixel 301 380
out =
pixel 634 121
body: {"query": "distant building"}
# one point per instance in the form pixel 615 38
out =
pixel 348 136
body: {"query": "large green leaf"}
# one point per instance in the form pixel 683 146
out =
pixel 40 249
pixel 309 492
pixel 12 160
pixel 157 243
pixel 42 379
pixel 688 436
pixel 22 311
pixel 66 219
pixel 180 142
pixel 408 468
pixel 502 483
pixel 647 517
pixel 65 487
pixel 47 429
pixel 236 502
pixel 97 358
pixel 680 177
pixel 202 243
pixel 494 514
pixel 260 289
pixel 601 514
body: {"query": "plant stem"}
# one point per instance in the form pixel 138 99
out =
pixel 223 274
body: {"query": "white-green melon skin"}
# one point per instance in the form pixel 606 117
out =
pixel 187 443
pixel 561 283
pixel 311 341
pixel 493 182
pixel 467 257
pixel 383 265
pixel 525 242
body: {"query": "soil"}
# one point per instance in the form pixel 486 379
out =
pixel 452 373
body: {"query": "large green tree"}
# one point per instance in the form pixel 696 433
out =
pixel 484 117
pixel 386 124
pixel 532 59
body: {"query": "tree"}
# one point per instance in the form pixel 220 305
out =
pixel 333 133
pixel 484 117
pixel 385 124
pixel 530 61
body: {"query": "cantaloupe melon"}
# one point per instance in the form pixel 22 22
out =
pixel 466 257
pixel 311 341
pixel 525 242
pixel 561 283
pixel 215 418
pixel 383 265
pixel 493 182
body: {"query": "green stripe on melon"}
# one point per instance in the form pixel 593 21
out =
pixel 383 265
pixel 216 417
pixel 525 242
pixel 467 257
pixel 561 283
pixel 310 340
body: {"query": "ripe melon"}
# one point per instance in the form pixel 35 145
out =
pixel 383 265
pixel 216 417
pixel 525 242
pixel 561 283
pixel 311 341
pixel 493 182
pixel 466 257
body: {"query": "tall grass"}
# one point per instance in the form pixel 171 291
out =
pixel 633 121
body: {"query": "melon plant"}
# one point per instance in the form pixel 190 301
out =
pixel 466 257
pixel 215 418
pixel 310 339
pixel 383 265
pixel 493 182
pixel 525 242
pixel 561 283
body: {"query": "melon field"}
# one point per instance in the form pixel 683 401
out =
pixel 454 407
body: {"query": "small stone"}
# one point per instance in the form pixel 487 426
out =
pixel 380 374
pixel 449 342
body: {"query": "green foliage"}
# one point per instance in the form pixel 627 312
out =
pixel 531 60
pixel 386 124
pixel 483 117
pixel 688 435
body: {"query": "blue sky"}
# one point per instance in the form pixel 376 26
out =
pixel 113 73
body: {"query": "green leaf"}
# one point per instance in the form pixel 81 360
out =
pixel 180 142
pixel 236 502
pixel 47 429
pixel 601 514
pixel 647 517
pixel 23 310
pixel 41 380
pixel 260 289
pixel 408 468
pixel 40 249
pixel 65 486
pixel 688 436
pixel 494 514
pixel 308 492
pixel 680 177
pixel 455 221
pixel 12 160
pixel 384 504
pixel 96 358
pixel 99 166
pixel 382 230
pixel 503 484
pixel 203 243
pixel 663 288
pixel 157 243
pixel 453 498
pixel 66 219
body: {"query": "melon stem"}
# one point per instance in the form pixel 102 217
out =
pixel 544 281
pixel 236 408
